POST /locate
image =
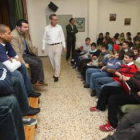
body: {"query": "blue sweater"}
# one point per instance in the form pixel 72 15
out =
pixel 112 63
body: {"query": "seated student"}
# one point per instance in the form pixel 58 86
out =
pixel 97 62
pixel 11 60
pixel 23 46
pixel 136 51
pixel 128 128
pixel 112 62
pixel 87 57
pixel 116 97
pixel 137 37
pixel 107 37
pixel 116 39
pixel 100 39
pixel 137 42
pixel 128 69
pixel 81 51
pixel 129 39
pixel 11 127
pixel 93 57
pixel 125 48
pixel 121 38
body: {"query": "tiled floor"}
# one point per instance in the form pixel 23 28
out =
pixel 65 107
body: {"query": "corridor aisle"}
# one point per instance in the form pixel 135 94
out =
pixel 65 107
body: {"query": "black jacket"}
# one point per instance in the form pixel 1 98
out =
pixel 71 33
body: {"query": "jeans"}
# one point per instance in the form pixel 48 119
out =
pixel 11 127
pixel 96 75
pixel 104 81
pixel 89 73
pixel 20 91
pixel 26 79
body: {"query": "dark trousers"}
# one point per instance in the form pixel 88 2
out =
pixel 114 97
pixel 82 63
pixel 20 94
pixel 37 73
pixel 128 128
pixel 11 127
pixel 70 50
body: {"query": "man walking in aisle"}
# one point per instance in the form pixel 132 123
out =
pixel 55 40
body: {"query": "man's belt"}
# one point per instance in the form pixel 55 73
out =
pixel 54 44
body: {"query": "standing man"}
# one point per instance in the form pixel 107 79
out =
pixel 71 38
pixel 25 50
pixel 55 40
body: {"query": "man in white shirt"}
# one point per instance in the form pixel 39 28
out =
pixel 55 40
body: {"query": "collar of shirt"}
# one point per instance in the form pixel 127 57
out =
pixel 3 44
pixel 130 63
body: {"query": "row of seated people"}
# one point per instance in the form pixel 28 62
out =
pixel 118 39
pixel 15 88
pixel 114 79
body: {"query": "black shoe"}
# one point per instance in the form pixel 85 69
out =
pixel 55 79
pixel 86 86
pixel 93 93
pixel 32 111
pixel 34 94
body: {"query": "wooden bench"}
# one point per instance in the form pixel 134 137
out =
pixel 30 130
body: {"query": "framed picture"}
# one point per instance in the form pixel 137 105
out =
pixel 127 21
pixel 80 24
pixel 112 17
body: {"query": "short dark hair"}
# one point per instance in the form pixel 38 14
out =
pixel 87 39
pixel 3 28
pixel 104 46
pixel 20 21
pixel 126 42
pixel 107 33
pixel 71 20
pixel 137 48
pixel 128 33
pixel 51 16
pixel 93 44
pixel 130 54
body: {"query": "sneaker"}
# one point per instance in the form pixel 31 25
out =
pixel 93 109
pixel 86 86
pixel 32 111
pixel 107 127
pixel 29 121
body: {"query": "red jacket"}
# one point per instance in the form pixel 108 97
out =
pixel 126 70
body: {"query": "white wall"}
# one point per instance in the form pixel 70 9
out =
pixel 123 9
pixel 37 11
pixel 96 13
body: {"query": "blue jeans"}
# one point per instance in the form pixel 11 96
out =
pixel 89 73
pixel 104 81
pixel 96 75
pixel 11 127
pixel 20 91
pixel 26 78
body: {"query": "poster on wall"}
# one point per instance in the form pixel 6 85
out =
pixel 112 17
pixel 80 24
pixel 127 21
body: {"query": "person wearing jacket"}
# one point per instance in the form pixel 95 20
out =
pixel 128 128
pixel 111 62
pixel 71 38
pixel 104 53
pixel 116 97
pixel 11 126
pixel 27 52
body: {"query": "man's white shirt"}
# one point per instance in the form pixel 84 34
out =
pixel 53 35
